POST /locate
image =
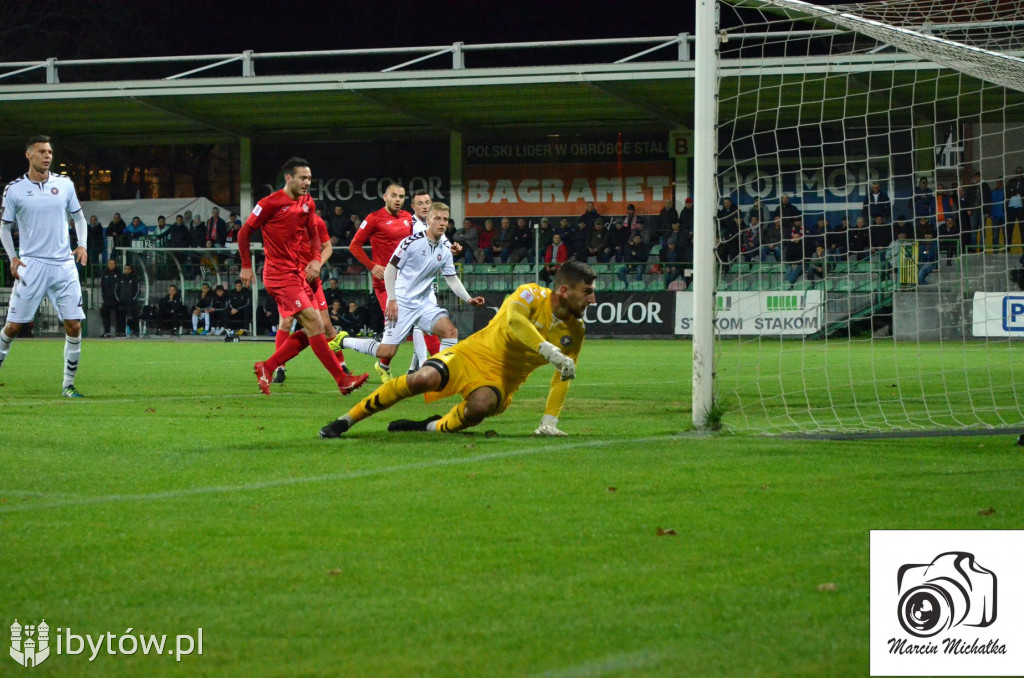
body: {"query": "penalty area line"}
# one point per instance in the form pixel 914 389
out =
pixel 327 478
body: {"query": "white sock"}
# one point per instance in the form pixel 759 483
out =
pixel 420 354
pixel 365 346
pixel 206 321
pixel 195 322
pixel 448 343
pixel 5 346
pixel 432 426
pixel 72 352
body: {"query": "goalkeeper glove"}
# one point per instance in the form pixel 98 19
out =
pixel 563 363
pixel 549 427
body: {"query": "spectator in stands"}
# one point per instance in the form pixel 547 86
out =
pixel 237 315
pixel 636 258
pixel 521 245
pixel 833 253
pixel 352 320
pixel 969 202
pixel 95 235
pixel 502 241
pixel 670 261
pixel 771 239
pixel 644 233
pixel 927 258
pixel 180 236
pixel 790 216
pixel 544 234
pixel 759 210
pixel 266 315
pixel 985 194
pixel 945 203
pixel 127 294
pixel 880 234
pixel 1015 205
pixel 750 240
pixel 331 292
pixel 673 234
pixel 335 313
pixel 578 245
pixel 234 226
pixel 171 312
pixel 997 213
pixel 815 233
pixel 590 215
pixel 216 230
pixel 729 226
pixel 555 255
pixel 892 254
pixel 686 217
pixel 949 238
pixel 922 226
pixel 817 264
pixel 860 240
pixel 484 251
pixel 189 218
pixel 618 240
pixel 201 309
pixel 108 293
pixel 597 242
pixel 162 233
pixel 569 233
pixel 469 238
pixel 667 216
pixel 836 237
pixel 793 255
pixel 219 309
pixel 924 200
pixel 877 204
pixel 136 229
pixel 631 220
pixel 197 231
pixel 337 225
pixel 116 229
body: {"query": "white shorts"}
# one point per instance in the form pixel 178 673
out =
pixel 423 316
pixel 38 279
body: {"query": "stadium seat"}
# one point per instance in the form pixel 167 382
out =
pixel 637 286
pixel 657 285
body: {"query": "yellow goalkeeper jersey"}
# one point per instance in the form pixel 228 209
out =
pixel 504 353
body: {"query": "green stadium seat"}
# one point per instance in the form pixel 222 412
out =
pixel 637 286
pixel 657 285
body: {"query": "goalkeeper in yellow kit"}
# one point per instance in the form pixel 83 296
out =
pixel 534 326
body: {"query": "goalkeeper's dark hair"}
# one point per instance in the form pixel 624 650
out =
pixel 291 163
pixel 37 139
pixel 421 191
pixel 572 273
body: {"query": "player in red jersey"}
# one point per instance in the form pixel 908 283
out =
pixel 283 215
pixel 385 229
pixel 316 295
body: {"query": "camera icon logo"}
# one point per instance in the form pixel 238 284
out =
pixel 951 590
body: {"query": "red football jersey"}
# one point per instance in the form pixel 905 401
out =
pixel 385 231
pixel 306 254
pixel 282 220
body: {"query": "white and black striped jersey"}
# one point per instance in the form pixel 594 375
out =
pixel 41 210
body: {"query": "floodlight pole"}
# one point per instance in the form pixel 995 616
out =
pixel 705 200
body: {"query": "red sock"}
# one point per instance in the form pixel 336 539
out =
pixel 385 362
pixel 433 343
pixel 280 338
pixel 319 345
pixel 291 348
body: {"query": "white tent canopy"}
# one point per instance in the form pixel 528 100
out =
pixel 149 210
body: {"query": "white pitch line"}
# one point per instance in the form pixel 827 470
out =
pixel 616 664
pixel 285 482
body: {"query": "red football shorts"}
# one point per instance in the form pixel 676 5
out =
pixel 292 294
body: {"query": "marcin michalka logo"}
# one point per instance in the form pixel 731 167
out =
pixel 30 645
pixel 946 603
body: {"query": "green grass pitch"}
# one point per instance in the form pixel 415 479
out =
pixel 174 496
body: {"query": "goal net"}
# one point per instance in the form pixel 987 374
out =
pixel 869 219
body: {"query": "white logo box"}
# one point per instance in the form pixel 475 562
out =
pixel 947 603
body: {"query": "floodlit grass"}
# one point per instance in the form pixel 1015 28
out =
pixel 175 497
